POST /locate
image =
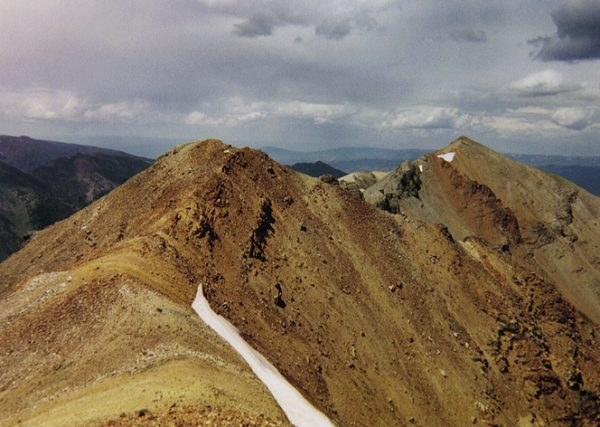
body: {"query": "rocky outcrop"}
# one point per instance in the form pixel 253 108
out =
pixel 403 183
pixel 262 230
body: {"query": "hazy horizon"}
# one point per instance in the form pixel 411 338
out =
pixel 154 147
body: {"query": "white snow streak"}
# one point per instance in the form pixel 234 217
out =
pixel 447 156
pixel 421 168
pixel 298 410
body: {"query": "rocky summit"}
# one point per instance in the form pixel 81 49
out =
pixel 461 289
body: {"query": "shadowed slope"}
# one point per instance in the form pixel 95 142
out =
pixel 26 204
pixel 32 201
pixel 82 178
pixel 27 154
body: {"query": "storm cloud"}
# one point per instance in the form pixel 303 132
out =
pixel 309 74
pixel 257 25
pixel 331 20
pixel 577 34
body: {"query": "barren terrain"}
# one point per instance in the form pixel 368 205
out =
pixel 377 318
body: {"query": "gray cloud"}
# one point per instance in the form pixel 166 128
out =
pixel 318 72
pixel 427 117
pixel 544 83
pixel 333 21
pixel 333 30
pixel 574 117
pixel 468 35
pixel 257 25
pixel 577 34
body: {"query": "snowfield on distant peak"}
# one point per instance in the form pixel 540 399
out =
pixel 299 411
pixel 447 156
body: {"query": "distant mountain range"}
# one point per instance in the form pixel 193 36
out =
pixel 348 159
pixel 26 154
pixel 583 171
pixel 26 204
pixel 42 182
pixel 146 146
pixel 317 169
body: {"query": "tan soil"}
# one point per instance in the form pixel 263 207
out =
pixel 387 320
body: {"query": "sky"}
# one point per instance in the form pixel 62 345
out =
pixel 518 75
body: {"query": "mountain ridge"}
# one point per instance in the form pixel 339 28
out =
pixel 26 204
pixel 318 168
pixel 584 171
pixel 466 193
pixel 34 198
pixel 376 318
pixel 26 154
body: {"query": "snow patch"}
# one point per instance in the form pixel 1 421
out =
pixel 226 151
pixel 298 410
pixel 421 168
pixel 447 156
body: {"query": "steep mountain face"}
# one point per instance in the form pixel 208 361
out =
pixel 376 318
pixel 32 201
pixel 83 178
pixel 544 222
pixel 27 154
pixel 26 204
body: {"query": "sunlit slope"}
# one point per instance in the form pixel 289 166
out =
pixel 546 223
pixel 377 319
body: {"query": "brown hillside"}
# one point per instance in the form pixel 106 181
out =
pixel 547 224
pixel 384 319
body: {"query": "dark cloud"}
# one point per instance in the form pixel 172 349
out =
pixel 258 25
pixel 330 20
pixel 261 70
pixel 577 34
pixel 333 30
pixel 468 35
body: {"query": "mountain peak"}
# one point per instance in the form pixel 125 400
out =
pixel 465 140
pixel 207 145
pixel 475 191
pixel 464 143
pixel 334 293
